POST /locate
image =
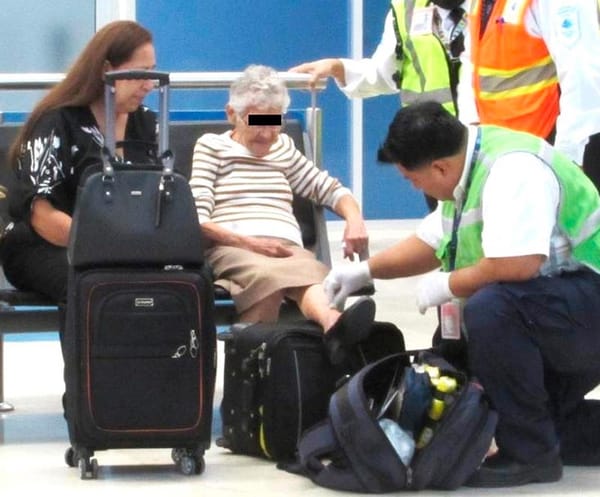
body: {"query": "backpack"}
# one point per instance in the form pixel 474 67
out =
pixel 351 451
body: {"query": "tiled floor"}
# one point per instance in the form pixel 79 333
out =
pixel 33 437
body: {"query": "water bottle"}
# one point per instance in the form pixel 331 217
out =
pixel 402 441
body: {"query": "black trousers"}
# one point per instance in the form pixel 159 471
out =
pixel 535 347
pixel 30 263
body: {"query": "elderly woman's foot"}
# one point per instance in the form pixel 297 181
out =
pixel 353 326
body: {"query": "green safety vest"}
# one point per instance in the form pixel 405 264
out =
pixel 578 210
pixel 423 71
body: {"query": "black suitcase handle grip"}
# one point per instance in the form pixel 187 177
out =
pixel 111 77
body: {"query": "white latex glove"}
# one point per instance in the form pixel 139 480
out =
pixel 341 282
pixel 433 290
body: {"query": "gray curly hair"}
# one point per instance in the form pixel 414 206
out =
pixel 259 86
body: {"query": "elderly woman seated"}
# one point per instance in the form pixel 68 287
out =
pixel 243 182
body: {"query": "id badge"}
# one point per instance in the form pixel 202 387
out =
pixel 450 320
pixel 422 21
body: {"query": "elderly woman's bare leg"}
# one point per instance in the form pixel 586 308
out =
pixel 314 305
pixel 267 310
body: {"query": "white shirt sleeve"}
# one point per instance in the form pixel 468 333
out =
pixel 571 31
pixel 519 206
pixel 430 228
pixel 373 76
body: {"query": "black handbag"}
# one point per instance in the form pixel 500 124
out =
pixel 135 214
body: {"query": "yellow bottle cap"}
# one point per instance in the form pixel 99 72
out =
pixel 436 409
pixel 445 384
pixel 432 371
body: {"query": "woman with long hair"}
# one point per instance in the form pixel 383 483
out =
pixel 63 136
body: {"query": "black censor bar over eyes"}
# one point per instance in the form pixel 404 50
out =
pixel 264 119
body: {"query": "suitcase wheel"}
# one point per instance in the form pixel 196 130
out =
pixel 88 468
pixel 70 457
pixel 190 462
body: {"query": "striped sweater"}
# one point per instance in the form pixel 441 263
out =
pixel 252 196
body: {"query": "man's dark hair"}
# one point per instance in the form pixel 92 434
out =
pixel 420 133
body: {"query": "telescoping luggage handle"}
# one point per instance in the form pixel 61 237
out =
pixel 110 79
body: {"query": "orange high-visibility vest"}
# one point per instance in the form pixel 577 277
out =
pixel 514 77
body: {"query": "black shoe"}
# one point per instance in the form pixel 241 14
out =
pixel 502 471
pixel 353 326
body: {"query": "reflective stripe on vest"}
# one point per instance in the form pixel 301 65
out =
pixel 423 71
pixel 578 210
pixel 514 87
pixel 498 84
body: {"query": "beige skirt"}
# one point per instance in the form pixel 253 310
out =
pixel 251 277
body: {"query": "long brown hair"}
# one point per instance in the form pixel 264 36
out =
pixel 83 83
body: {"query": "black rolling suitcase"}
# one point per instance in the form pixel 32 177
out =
pixel 139 342
pixel 278 381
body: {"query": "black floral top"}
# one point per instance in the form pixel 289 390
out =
pixel 64 144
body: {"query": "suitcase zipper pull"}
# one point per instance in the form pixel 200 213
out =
pixel 180 352
pixel 193 344
pixel 183 349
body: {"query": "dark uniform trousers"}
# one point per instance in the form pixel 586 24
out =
pixel 535 348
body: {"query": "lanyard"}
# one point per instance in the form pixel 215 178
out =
pixel 452 247
pixel 459 16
